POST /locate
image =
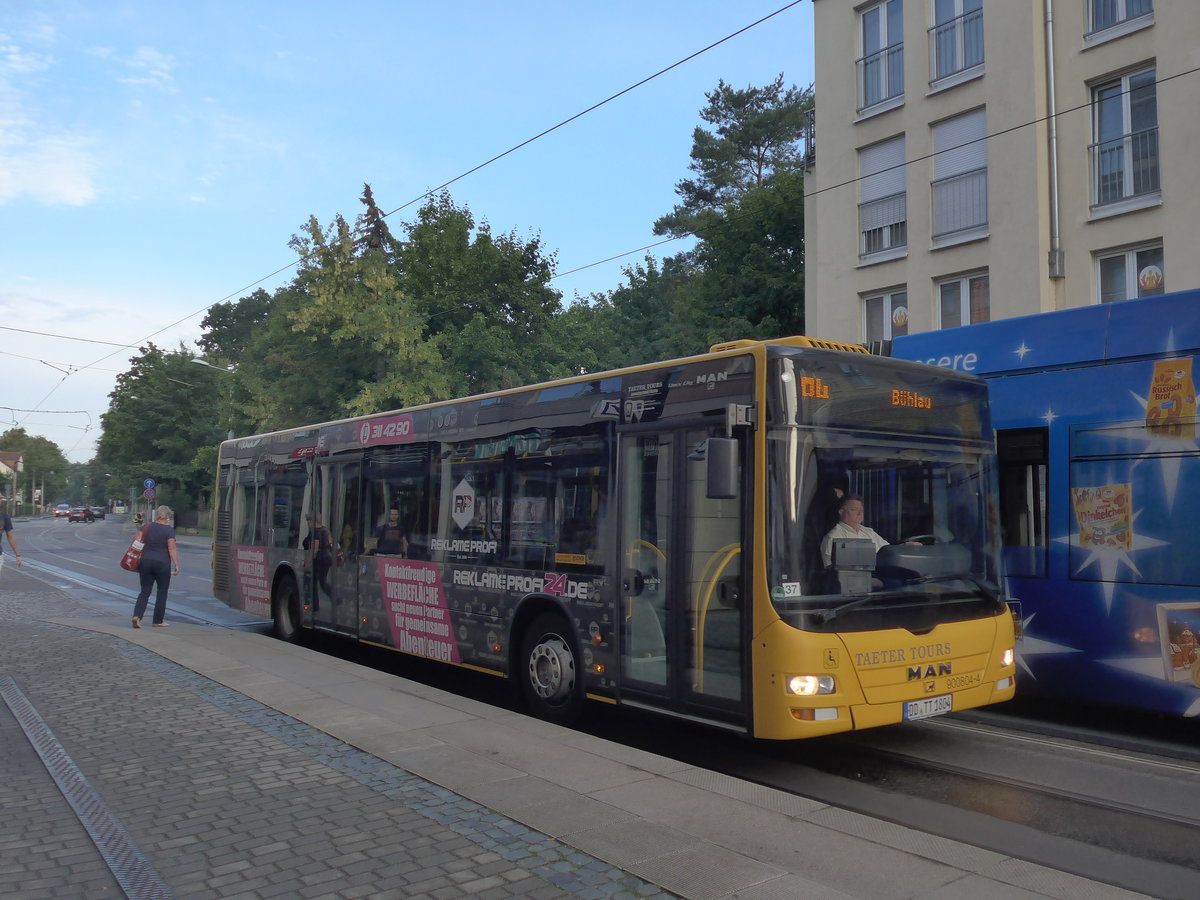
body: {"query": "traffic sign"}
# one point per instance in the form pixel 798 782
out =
pixel 148 493
pixel 148 483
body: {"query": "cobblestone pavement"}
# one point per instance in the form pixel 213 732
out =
pixel 224 797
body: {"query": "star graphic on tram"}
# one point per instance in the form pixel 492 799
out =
pixel 1049 416
pixel 1109 560
pixel 1029 646
pixel 1022 351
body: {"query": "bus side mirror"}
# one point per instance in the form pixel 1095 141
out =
pixel 722 459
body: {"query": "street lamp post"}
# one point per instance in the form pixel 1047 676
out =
pixel 227 370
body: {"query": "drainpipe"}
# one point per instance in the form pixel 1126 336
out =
pixel 1056 267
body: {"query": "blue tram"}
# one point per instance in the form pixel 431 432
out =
pixel 1099 454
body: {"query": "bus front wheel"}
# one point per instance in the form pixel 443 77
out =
pixel 285 610
pixel 550 677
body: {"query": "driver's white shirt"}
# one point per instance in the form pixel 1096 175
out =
pixel 842 530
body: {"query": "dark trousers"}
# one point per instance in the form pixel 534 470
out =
pixel 152 572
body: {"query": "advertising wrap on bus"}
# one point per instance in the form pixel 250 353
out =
pixel 586 538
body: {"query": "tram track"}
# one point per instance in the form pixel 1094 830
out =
pixel 1132 845
pixel 953 779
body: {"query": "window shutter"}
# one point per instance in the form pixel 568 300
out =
pixel 882 169
pixel 958 145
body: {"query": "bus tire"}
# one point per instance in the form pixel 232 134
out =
pixel 551 681
pixel 285 610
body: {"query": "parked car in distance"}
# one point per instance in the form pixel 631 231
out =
pixel 99 511
pixel 80 514
pixel 62 509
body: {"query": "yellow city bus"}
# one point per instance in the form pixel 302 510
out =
pixel 652 537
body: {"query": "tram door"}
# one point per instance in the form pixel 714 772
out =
pixel 683 632
pixel 333 546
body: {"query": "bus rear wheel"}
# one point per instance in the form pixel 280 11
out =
pixel 285 610
pixel 550 678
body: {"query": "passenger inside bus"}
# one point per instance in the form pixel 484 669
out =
pixel 390 537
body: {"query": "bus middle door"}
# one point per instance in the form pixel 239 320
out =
pixel 333 583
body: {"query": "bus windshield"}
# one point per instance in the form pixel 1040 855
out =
pixel 869 531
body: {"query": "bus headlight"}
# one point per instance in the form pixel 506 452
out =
pixel 1006 658
pixel 809 685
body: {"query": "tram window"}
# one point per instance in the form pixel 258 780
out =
pixel 1023 460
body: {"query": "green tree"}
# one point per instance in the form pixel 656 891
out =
pixel 745 276
pixel 159 416
pixel 640 321
pixel 484 300
pixel 753 139
pixel 229 327
pixel 45 468
pixel 356 299
pixel 750 262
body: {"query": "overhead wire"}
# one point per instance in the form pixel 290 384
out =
pixel 432 191
pixel 847 183
pixel 542 134
pixel 494 159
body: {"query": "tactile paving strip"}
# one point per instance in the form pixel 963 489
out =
pixel 133 871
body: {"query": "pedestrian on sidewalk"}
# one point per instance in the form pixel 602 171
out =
pixel 160 560
pixel 7 529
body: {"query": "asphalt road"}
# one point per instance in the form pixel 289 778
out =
pixel 72 555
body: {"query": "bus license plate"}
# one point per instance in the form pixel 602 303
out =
pixel 930 706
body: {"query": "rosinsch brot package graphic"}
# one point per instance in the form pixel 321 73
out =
pixel 1171 404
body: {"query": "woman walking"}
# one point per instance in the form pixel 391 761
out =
pixel 160 560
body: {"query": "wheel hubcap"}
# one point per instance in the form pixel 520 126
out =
pixel 552 670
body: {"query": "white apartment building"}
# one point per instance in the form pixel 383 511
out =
pixel 982 159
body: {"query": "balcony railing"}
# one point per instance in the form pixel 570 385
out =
pixel 1125 167
pixel 960 203
pixel 956 46
pixel 881 76
pixel 883 224
pixel 810 137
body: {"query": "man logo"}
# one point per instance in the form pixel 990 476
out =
pixel 930 687
pixel 916 673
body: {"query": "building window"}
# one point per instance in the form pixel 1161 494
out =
pixel 881 68
pixel 1124 274
pixel 1125 126
pixel 883 211
pixel 885 316
pixel 956 38
pixel 960 175
pixel 1109 13
pixel 964 301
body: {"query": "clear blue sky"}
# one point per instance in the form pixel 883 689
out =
pixel 155 158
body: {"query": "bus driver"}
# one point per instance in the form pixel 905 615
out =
pixel 850 525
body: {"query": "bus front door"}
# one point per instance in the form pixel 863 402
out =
pixel 683 629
